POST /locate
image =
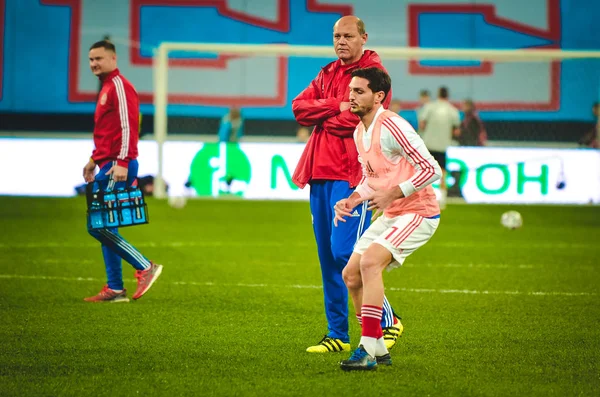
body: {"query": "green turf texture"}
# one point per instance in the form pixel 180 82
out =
pixel 487 311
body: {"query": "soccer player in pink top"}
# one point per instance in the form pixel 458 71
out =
pixel 397 174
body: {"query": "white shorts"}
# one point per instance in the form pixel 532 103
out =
pixel 401 235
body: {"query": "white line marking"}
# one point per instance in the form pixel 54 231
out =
pixel 261 244
pixel 300 286
pixel 54 261
pixel 175 244
pixel 472 265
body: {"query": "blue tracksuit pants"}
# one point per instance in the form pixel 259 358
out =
pixel 115 247
pixel 334 246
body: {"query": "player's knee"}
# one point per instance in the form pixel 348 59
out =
pixel 351 277
pixel 368 264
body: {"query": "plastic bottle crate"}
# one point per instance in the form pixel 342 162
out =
pixel 120 208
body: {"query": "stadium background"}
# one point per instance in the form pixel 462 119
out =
pixel 487 311
pixel 45 77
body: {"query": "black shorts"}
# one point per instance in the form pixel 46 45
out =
pixel 440 157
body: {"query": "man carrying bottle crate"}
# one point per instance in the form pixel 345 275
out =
pixel 115 139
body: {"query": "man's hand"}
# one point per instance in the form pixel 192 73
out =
pixel 344 208
pixel 341 208
pixel 344 106
pixel 381 199
pixel 119 173
pixel 88 171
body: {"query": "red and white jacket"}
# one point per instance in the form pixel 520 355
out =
pixel 116 121
pixel 330 153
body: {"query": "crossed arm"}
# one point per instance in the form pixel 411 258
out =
pixel 332 114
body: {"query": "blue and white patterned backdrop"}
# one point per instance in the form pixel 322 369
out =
pixel 45 42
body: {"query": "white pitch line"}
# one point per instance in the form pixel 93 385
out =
pixel 54 261
pixel 149 244
pixel 300 286
pixel 472 265
pixel 263 244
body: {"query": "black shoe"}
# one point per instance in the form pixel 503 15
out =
pixel 386 359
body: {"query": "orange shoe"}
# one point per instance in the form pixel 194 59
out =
pixel 109 295
pixel 146 278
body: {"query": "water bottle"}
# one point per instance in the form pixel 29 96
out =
pixel 124 208
pixel 139 209
pixel 110 207
pixel 95 213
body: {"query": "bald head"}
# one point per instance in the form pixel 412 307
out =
pixel 352 20
pixel 349 37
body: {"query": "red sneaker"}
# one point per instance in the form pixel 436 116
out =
pixel 109 295
pixel 146 278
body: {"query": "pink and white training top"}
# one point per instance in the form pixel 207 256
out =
pixel 391 153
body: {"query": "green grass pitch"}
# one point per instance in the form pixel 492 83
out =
pixel 487 311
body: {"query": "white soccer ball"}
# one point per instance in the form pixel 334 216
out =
pixel 177 201
pixel 511 220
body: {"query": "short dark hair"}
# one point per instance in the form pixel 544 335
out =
pixel 107 45
pixel 378 79
pixel 424 93
pixel 443 93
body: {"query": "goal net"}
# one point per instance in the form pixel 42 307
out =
pixel 522 96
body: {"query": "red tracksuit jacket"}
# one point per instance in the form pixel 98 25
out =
pixel 116 121
pixel 330 153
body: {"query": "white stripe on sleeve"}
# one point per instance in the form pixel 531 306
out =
pixel 399 136
pixel 125 132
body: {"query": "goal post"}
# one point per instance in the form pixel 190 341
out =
pixel 161 61
pixel 399 60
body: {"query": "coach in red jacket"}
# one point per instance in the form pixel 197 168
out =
pixel 330 165
pixel 115 140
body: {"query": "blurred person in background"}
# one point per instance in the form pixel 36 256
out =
pixel 472 131
pixel 302 134
pixel 424 99
pixel 330 165
pixel 115 153
pixel 438 124
pixel 231 128
pixel 591 138
pixel 395 106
